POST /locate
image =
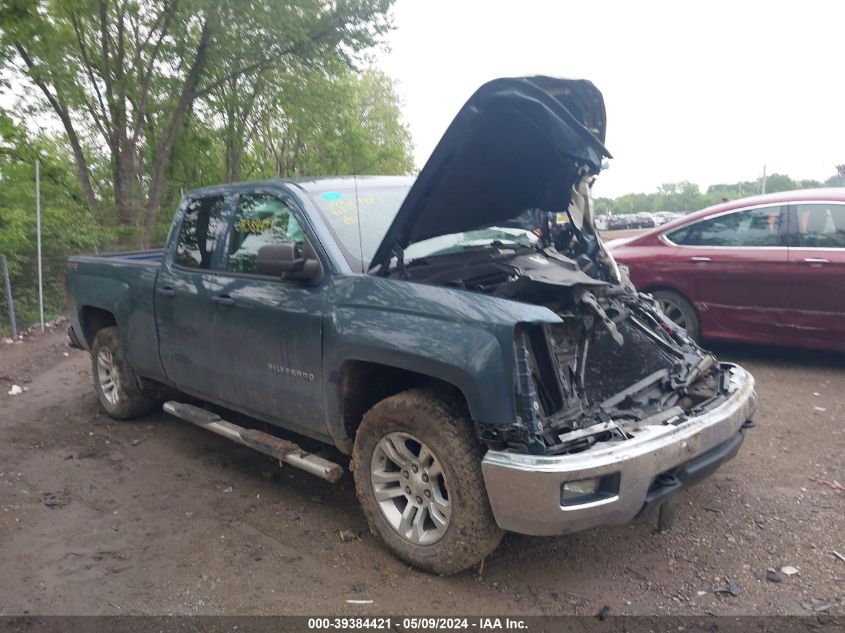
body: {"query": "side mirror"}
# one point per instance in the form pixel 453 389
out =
pixel 283 260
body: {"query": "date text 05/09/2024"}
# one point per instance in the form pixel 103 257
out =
pixel 417 623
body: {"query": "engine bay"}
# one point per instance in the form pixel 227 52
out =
pixel 613 364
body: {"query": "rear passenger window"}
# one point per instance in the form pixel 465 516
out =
pixel 754 227
pixel 260 220
pixel 821 225
pixel 202 225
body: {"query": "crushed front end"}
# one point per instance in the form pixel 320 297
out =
pixel 609 472
pixel 617 408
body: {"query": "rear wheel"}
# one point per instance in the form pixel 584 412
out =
pixel 417 469
pixel 679 310
pixel 115 381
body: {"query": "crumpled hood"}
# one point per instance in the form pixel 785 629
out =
pixel 517 144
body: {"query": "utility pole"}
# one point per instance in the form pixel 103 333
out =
pixel 763 181
pixel 38 239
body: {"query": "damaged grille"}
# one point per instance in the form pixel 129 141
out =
pixel 610 367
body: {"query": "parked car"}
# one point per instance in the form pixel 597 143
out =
pixel 618 222
pixel 630 221
pixel 767 269
pixel 483 374
pixel 662 217
pixel 643 220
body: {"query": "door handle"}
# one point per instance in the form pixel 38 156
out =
pixel 167 291
pixel 223 300
pixel 816 260
pixel 698 258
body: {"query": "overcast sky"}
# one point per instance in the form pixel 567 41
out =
pixel 705 91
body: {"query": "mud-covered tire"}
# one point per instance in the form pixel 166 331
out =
pixel 679 310
pixel 443 427
pixel 116 383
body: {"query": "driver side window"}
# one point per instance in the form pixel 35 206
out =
pixel 260 220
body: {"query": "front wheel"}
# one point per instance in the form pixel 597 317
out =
pixel 117 385
pixel 417 467
pixel 679 310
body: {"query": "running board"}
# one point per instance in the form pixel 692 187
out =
pixel 283 450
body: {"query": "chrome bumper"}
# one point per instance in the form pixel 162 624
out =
pixel 526 491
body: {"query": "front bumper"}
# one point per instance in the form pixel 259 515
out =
pixel 526 491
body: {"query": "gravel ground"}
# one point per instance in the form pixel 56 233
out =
pixel 158 517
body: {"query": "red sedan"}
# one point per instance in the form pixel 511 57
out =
pixel 767 269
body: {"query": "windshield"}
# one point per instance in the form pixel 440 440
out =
pixel 375 210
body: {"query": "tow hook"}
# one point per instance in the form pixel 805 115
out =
pixel 666 512
pixel 666 515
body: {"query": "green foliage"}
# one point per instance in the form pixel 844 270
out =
pixel 156 97
pixel 307 124
pixel 685 196
pixel 67 226
pixel 347 124
pixel 122 77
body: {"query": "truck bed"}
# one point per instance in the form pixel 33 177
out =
pixel 121 285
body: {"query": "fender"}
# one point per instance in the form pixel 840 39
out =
pixel 468 340
pixel 128 295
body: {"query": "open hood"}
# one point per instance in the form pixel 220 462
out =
pixel 517 144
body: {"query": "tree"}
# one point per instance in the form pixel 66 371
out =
pixel 349 123
pixel 678 196
pixel 303 123
pixel 122 76
pixel 685 195
pixel 780 182
pixel 67 226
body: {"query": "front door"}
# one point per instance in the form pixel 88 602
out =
pixel 269 331
pixel 736 265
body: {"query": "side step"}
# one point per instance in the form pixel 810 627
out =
pixel 284 451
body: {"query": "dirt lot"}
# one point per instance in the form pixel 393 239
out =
pixel 159 517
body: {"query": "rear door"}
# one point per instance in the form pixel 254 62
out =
pixel 735 264
pixel 817 271
pixel 184 288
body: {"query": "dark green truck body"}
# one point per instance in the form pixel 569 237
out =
pixel 284 351
pixel 489 287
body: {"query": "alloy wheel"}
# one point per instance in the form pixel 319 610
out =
pixel 107 375
pixel 410 488
pixel 674 312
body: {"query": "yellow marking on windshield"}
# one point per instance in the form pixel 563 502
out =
pixel 345 209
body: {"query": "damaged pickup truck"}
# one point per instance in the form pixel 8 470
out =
pixel 486 366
